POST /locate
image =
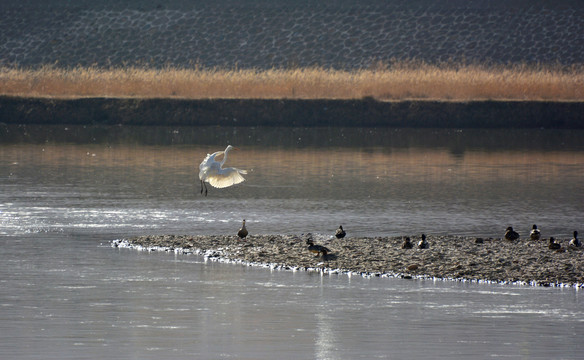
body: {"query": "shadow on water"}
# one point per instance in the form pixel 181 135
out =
pixel 455 140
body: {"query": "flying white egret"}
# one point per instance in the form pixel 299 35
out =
pixel 212 171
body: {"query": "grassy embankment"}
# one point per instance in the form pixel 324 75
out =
pixel 386 82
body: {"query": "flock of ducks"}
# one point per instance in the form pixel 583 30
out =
pixel 340 233
pixel 510 235
pixel 319 250
pixel 422 244
pixel 535 234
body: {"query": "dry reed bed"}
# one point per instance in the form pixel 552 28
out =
pixel 399 81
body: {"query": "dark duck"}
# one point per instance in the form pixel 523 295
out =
pixel 423 244
pixel 242 233
pixel 511 234
pixel 535 233
pixel 407 244
pixel 575 242
pixel 554 245
pixel 340 233
pixel 317 249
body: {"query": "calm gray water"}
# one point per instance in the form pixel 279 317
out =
pixel 65 192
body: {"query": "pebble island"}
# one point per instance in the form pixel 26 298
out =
pixel 524 261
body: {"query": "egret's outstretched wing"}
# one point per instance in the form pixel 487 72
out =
pixel 208 164
pixel 226 177
pixel 205 162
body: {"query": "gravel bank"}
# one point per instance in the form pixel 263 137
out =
pixel 449 257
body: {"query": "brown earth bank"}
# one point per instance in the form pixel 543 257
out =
pixel 366 112
pixel 448 257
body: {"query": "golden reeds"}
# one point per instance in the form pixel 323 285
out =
pixel 395 81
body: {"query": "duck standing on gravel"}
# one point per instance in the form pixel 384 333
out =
pixel 575 242
pixel 242 233
pixel 554 245
pixel 423 244
pixel 340 233
pixel 317 249
pixel 534 234
pixel 407 244
pixel 511 234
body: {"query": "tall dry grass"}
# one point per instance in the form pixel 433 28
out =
pixel 395 81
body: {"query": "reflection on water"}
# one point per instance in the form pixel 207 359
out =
pixel 455 141
pixel 76 300
pixel 65 192
pixel 373 181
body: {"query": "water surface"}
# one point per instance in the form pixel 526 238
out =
pixel 373 181
pixel 65 192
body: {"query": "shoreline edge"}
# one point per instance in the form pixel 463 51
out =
pixel 456 258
